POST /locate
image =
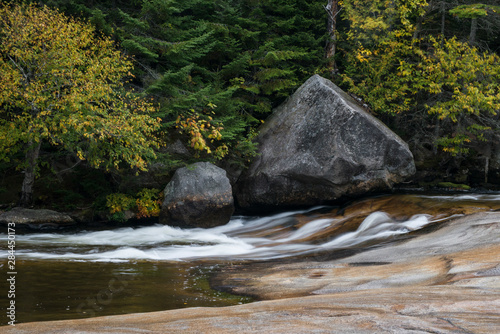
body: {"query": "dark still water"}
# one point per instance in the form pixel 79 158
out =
pixel 54 290
pixel 88 273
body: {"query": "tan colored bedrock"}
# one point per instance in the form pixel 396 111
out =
pixel 444 281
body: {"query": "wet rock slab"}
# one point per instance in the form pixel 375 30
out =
pixel 35 218
pixel 436 309
pixel 460 253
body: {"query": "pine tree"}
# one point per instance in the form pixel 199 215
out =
pixel 243 56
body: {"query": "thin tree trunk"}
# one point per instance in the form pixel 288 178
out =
pixel 420 20
pixel 417 29
pixel 332 9
pixel 487 155
pixel 443 21
pixel 29 175
pixel 486 169
pixel 437 129
pixel 473 31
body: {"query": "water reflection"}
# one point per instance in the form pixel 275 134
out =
pixel 56 290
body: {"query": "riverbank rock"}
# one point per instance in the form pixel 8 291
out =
pixel 35 218
pixel 443 309
pixel 443 280
pixel 321 145
pixel 199 195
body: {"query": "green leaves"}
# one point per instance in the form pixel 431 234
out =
pixel 474 11
pixel 63 85
pixel 468 94
pixel 436 88
pixel 243 56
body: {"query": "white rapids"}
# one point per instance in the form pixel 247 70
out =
pixel 242 238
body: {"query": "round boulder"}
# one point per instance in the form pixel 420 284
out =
pixel 199 195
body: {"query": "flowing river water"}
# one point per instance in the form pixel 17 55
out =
pixel 81 273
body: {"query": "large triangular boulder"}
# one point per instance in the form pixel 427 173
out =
pixel 321 145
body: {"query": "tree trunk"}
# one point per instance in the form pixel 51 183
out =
pixel 437 131
pixel 29 175
pixel 473 31
pixel 420 20
pixel 486 169
pixel 417 29
pixel 332 9
pixel 443 21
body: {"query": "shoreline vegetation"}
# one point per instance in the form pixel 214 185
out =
pixel 192 81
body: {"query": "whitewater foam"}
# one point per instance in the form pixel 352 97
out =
pixel 239 239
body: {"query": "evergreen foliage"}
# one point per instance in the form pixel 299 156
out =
pixel 216 68
pixel 242 56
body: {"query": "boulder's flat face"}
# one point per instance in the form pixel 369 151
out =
pixel 199 195
pixel 320 145
pixel 35 218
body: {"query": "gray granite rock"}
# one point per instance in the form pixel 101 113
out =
pixel 35 218
pixel 320 145
pixel 199 195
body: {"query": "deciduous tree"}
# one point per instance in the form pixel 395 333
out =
pixel 62 85
pixel 443 89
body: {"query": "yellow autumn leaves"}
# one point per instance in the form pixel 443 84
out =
pixel 63 85
pixel 437 82
pixel 203 133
